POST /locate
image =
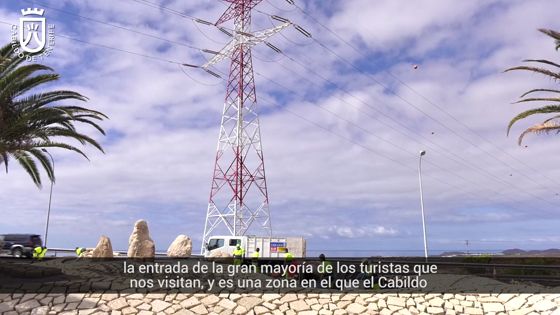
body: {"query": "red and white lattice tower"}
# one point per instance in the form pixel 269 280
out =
pixel 239 195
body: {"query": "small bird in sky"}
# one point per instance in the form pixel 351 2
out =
pixel 415 67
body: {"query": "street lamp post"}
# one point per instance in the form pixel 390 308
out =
pixel 50 200
pixel 422 153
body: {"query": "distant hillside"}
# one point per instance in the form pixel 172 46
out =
pixel 552 252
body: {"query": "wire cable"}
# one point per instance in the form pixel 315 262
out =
pixel 206 36
pixel 288 110
pixel 393 144
pixel 340 38
pixel 117 26
pixel 279 9
pixel 197 81
pixel 120 50
pixel 443 150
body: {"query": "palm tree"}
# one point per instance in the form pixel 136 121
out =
pixel 32 122
pixel 551 70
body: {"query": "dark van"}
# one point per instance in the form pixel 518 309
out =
pixel 19 245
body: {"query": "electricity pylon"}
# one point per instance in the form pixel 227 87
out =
pixel 239 194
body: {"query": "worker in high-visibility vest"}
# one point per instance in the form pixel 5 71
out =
pixel 255 258
pixel 80 251
pixel 238 255
pixel 288 258
pixel 39 252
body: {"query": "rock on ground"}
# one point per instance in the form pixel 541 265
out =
pixel 104 249
pixel 181 247
pixel 140 244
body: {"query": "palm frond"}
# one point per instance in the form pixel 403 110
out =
pixel 83 139
pixel 546 127
pixel 546 62
pixel 546 72
pixel 45 162
pixel 28 165
pixel 4 159
pixel 553 34
pixel 539 90
pixel 91 123
pixel 525 114
pixel 539 99
pixel 552 118
pixel 30 121
pixel 60 145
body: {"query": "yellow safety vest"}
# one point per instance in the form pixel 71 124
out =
pixel 80 251
pixel 255 255
pixel 39 252
pixel 288 257
pixel 238 253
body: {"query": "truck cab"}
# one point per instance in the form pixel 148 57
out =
pixel 223 244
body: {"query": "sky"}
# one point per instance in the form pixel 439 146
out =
pixel 343 117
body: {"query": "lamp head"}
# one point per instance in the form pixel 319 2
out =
pixel 422 153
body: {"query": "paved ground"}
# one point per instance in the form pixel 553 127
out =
pixel 305 304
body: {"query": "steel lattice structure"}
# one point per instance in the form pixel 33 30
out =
pixel 239 195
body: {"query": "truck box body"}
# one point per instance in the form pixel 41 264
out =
pixel 270 247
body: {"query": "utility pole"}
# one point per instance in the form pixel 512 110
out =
pixel 239 194
pixel 422 153
pixel 50 200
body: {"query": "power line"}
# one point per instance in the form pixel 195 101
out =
pixel 134 31
pixel 113 48
pixel 118 26
pixel 384 156
pixel 426 99
pixel 393 144
pixel 194 19
pixel 480 170
pixel 408 167
pixel 121 50
pixel 127 29
pixel 164 8
pixel 293 113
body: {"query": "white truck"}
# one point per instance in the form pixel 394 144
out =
pixel 270 247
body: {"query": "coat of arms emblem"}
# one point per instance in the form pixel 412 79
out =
pixel 32 30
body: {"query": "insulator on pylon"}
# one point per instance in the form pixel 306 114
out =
pixel 210 51
pixel 245 33
pixel 213 73
pixel 189 65
pixel 225 31
pixel 279 18
pixel 290 2
pixel 301 30
pixel 203 22
pixel 276 49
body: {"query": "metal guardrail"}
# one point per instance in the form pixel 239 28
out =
pixel 61 252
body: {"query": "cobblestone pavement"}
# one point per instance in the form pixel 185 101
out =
pixel 305 304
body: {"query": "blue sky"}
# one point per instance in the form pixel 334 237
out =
pixel 329 180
